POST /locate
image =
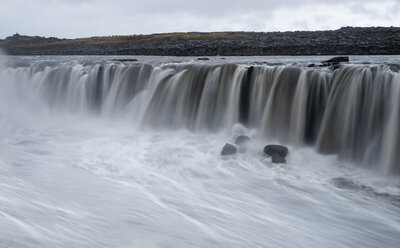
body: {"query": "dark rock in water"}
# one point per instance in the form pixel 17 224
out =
pixel 242 139
pixel 203 59
pixel 125 60
pixel 349 184
pixel 335 67
pixel 278 159
pixel 228 149
pixel 394 67
pixel 336 60
pixel 311 65
pixel 272 150
pixel 345 183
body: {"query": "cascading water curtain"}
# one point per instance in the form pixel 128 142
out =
pixel 352 111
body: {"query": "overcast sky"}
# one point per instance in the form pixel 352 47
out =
pixel 85 18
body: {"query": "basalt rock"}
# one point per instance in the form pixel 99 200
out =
pixel 125 60
pixel 278 159
pixel 336 60
pixel 272 150
pixel 228 149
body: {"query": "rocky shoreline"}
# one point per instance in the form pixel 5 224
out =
pixel 347 40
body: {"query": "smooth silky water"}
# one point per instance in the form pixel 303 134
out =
pixel 100 153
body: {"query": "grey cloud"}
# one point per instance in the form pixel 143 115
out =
pixel 82 18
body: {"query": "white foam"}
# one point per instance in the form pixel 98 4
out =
pixel 101 185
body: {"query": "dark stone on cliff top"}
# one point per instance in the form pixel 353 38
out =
pixel 394 67
pixel 125 60
pixel 228 149
pixel 272 150
pixel 335 67
pixel 336 60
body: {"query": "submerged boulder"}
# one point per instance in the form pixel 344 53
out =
pixel 242 140
pixel 278 159
pixel 203 58
pixel 272 150
pixel 228 149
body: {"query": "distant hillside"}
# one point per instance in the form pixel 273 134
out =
pixel 348 40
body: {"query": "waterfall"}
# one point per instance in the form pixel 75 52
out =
pixel 353 112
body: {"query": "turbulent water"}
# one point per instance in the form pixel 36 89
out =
pixel 95 152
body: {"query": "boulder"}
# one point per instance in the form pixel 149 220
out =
pixel 336 60
pixel 278 159
pixel 335 67
pixel 394 67
pixel 228 149
pixel 203 58
pixel 272 150
pixel 242 140
pixel 125 60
